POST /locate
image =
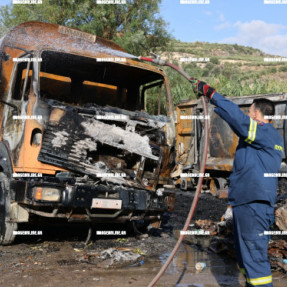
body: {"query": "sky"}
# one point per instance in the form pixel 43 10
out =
pixel 245 22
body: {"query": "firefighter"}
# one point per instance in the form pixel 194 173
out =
pixel 253 182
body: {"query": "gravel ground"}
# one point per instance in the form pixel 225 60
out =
pixel 60 258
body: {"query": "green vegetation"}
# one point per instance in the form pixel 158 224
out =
pixel 233 70
pixel 203 48
pixel 136 26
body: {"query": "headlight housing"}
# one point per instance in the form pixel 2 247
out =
pixel 46 194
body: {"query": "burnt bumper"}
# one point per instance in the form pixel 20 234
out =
pixel 85 196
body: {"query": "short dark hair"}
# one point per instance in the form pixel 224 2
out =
pixel 266 107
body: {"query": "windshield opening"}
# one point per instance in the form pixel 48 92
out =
pixel 80 81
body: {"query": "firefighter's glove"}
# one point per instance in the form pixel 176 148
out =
pixel 201 88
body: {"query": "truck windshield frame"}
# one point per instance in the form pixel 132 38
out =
pixel 79 80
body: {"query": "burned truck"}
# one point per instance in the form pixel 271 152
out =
pixel 77 142
pixel 222 142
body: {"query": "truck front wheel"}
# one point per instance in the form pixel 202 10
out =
pixel 7 227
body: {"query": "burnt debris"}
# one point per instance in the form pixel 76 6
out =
pixel 96 141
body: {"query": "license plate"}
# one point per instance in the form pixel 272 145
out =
pixel 106 203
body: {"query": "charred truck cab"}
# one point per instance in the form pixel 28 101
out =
pixel 76 140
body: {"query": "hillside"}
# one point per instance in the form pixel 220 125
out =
pixel 232 69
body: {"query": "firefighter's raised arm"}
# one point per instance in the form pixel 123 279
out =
pixel 251 130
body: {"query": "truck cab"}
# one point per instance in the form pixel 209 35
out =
pixel 77 140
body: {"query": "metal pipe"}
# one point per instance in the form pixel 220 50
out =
pixel 46 214
pixel 148 87
pixel 114 215
pixel 89 235
pixel 26 81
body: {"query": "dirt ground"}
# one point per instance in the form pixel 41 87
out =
pixel 60 257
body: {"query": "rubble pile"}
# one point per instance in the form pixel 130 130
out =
pixel 222 239
pixel 281 215
pixel 112 257
pixel 277 252
pixel 207 225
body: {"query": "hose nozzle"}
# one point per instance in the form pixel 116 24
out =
pixel 157 60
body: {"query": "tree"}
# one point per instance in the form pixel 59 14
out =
pixel 136 25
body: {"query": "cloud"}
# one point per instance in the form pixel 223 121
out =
pixel 207 12
pixel 222 26
pixel 270 38
pixel 221 17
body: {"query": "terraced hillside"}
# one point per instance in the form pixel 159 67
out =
pixel 232 69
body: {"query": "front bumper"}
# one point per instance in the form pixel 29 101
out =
pixel 90 197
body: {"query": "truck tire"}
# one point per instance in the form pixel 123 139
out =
pixel 7 227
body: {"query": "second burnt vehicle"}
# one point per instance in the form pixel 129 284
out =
pixel 222 142
pixel 76 140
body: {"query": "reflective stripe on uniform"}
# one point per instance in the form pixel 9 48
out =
pixel 259 281
pixel 252 131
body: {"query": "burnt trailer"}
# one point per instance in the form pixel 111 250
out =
pixel 76 140
pixel 222 142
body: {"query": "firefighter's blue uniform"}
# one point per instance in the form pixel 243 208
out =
pixel 253 188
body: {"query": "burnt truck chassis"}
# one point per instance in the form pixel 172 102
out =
pixel 87 121
pixel 76 198
pixel 83 191
pixel 81 187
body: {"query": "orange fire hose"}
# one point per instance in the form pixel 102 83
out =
pixel 158 61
